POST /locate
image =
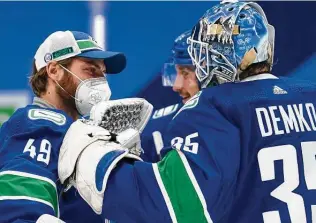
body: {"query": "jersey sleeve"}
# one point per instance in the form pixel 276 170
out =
pixel 152 143
pixel 29 150
pixel 152 137
pixel 195 180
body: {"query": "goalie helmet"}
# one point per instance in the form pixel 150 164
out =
pixel 179 55
pixel 228 39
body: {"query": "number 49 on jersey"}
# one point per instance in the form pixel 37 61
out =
pixel 43 155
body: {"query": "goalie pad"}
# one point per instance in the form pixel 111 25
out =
pixel 77 138
pixel 46 218
pixel 119 115
pixel 89 154
pixel 93 170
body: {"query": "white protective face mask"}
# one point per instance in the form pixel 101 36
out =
pixel 89 92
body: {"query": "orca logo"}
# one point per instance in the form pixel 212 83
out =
pixel 48 57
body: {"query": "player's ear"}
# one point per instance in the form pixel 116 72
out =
pixel 54 71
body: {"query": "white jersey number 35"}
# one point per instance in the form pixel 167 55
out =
pixel 284 192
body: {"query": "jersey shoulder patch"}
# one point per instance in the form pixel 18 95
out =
pixel 191 103
pixel 32 117
pixel 39 113
pixel 162 112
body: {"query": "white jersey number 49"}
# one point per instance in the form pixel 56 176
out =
pixel 44 151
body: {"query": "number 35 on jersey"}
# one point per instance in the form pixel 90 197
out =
pixel 285 192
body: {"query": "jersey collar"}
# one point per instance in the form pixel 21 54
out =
pixel 260 77
pixel 42 103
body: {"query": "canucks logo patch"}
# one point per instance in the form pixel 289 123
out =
pixel 57 118
pixel 190 103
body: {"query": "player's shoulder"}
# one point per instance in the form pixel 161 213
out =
pixel 299 85
pixel 160 119
pixel 197 102
pixel 195 112
pixel 228 97
pixel 262 86
pixel 37 115
pixel 33 117
pixel 165 112
pixel 48 116
pixel 232 91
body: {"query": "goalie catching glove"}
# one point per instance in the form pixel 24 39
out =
pixel 87 147
pixel 119 115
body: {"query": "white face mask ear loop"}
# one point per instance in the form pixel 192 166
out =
pixel 64 89
pixel 70 96
pixel 67 92
pixel 70 72
pixel 81 79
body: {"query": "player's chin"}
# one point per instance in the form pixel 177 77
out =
pixel 184 100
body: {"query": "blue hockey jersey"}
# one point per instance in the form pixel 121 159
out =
pixel 239 152
pixel 29 185
pixel 151 138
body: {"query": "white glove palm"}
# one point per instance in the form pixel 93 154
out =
pixel 119 115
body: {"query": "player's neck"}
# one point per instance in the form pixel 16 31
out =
pixel 55 100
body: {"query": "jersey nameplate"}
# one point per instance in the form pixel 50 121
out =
pixel 58 119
